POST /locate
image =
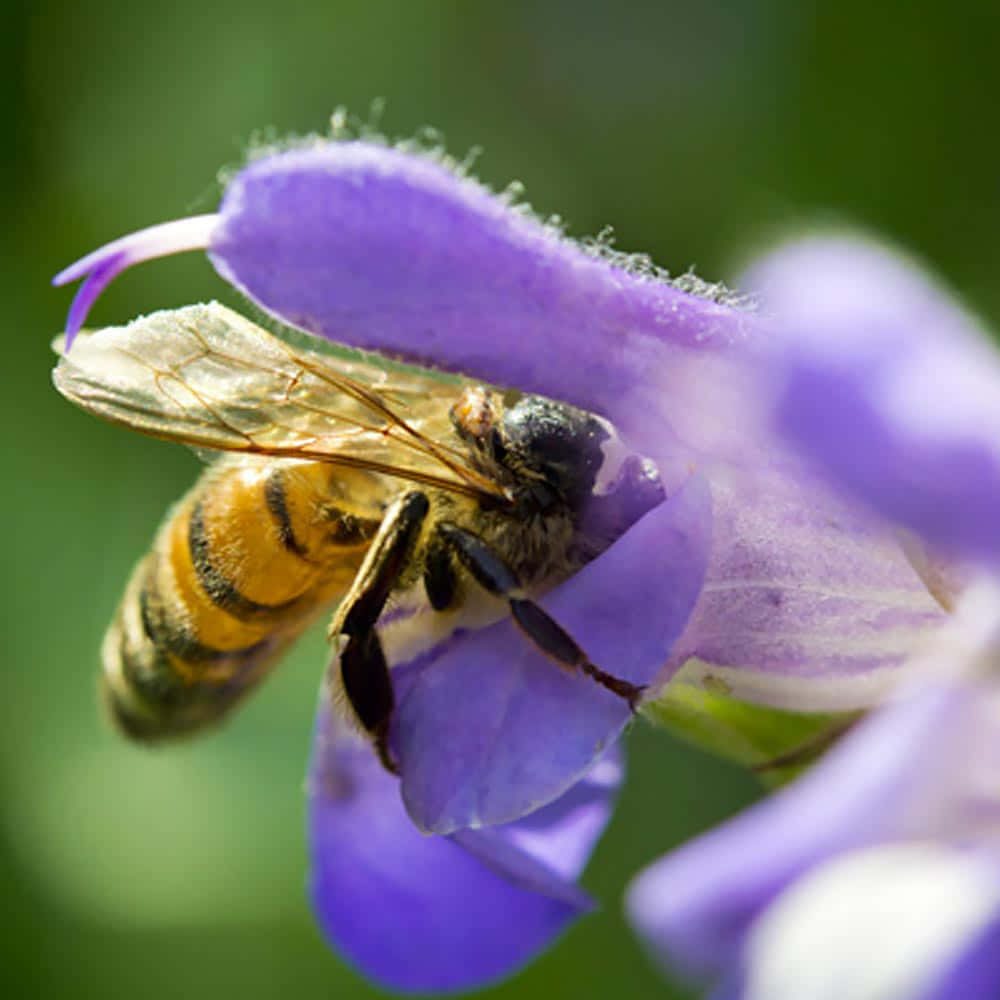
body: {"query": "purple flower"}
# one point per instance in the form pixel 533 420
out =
pixel 392 251
pixel 752 575
pixel 878 874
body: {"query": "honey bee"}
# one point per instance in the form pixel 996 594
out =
pixel 341 483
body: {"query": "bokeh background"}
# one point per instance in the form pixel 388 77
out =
pixel 698 130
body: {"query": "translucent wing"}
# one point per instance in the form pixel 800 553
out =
pixel 205 376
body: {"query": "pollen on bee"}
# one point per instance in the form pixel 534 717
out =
pixel 473 412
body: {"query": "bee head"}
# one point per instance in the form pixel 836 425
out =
pixel 552 449
pixel 557 442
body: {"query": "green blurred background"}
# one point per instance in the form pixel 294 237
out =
pixel 696 129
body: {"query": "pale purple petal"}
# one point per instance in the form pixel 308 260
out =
pixel 922 769
pixel 422 914
pixel 808 604
pixel 881 923
pixel 890 386
pixel 491 729
pixel 102 266
pixel 695 906
pixel 392 251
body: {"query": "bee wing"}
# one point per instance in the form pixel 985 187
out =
pixel 205 376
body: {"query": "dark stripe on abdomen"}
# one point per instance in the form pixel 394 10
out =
pixel 277 504
pixel 174 638
pixel 222 592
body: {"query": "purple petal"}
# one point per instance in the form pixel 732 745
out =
pixel 807 605
pixel 556 840
pixel 695 906
pixel 88 293
pixel 491 729
pixel 891 386
pixel 563 833
pixel 422 914
pixel 731 988
pixel 102 266
pixel 393 252
pixel 922 769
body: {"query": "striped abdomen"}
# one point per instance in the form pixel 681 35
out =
pixel 238 570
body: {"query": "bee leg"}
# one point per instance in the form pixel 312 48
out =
pixel 440 581
pixel 493 574
pixel 364 672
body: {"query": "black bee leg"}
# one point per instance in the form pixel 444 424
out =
pixel 440 581
pixel 493 574
pixel 363 674
pixel 551 638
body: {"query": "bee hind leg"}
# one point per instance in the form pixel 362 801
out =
pixel 493 574
pixel 360 670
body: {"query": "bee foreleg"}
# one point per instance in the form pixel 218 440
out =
pixel 493 574
pixel 363 670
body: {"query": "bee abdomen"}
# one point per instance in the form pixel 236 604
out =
pixel 237 571
pixel 159 681
pixel 219 588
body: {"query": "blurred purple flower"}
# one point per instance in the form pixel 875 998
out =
pixel 874 877
pixel 752 574
pixel 877 875
pixel 892 386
